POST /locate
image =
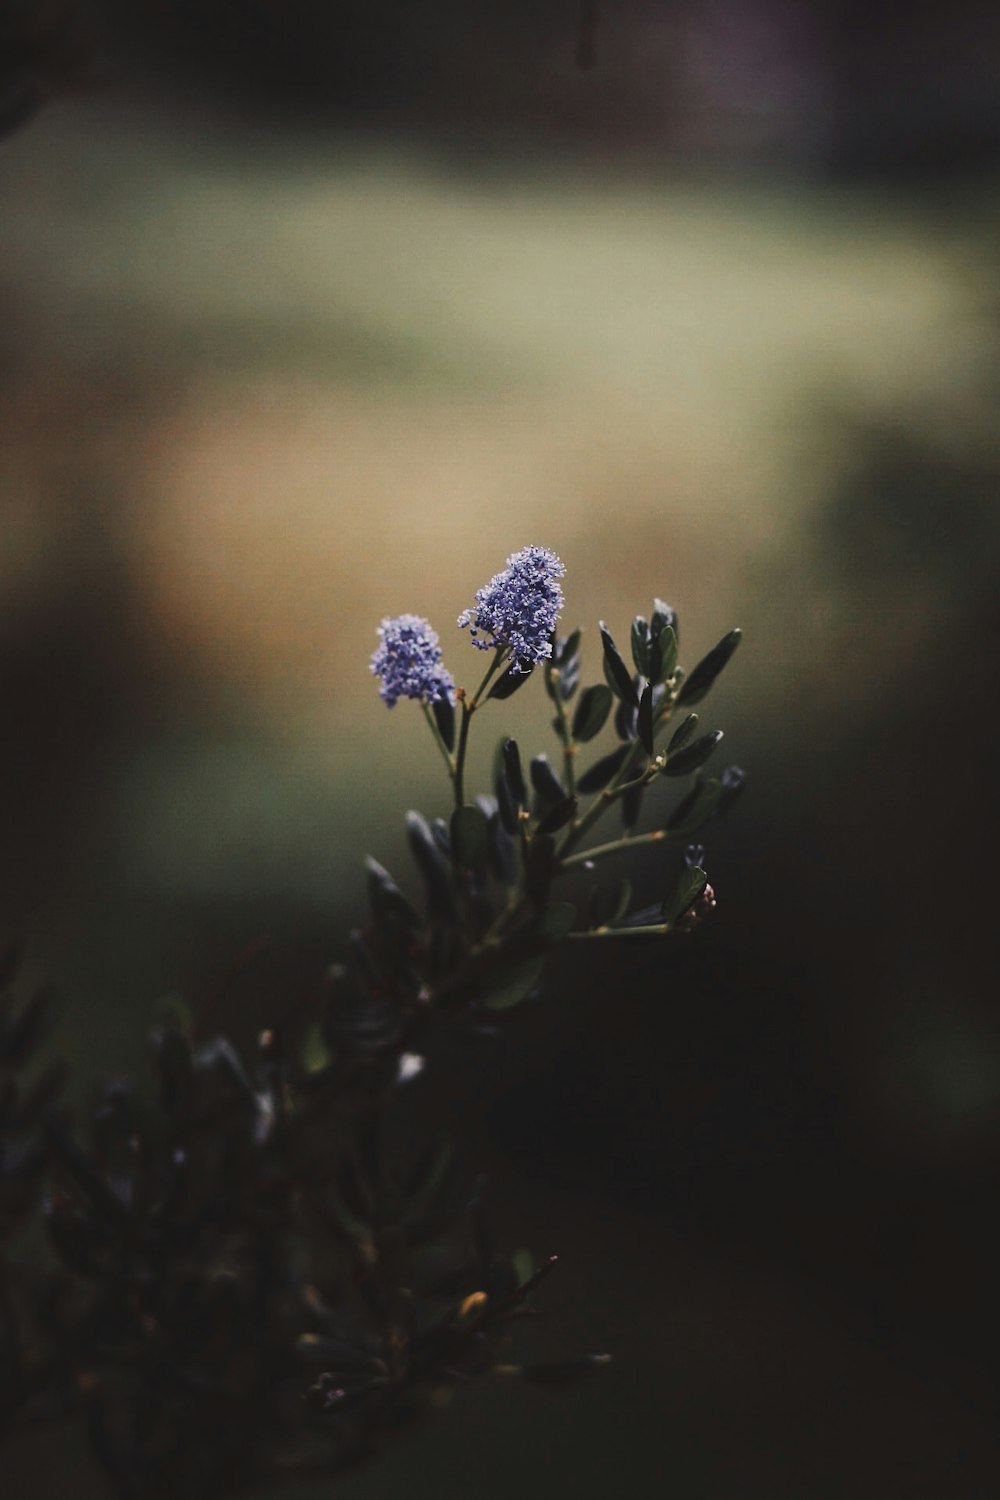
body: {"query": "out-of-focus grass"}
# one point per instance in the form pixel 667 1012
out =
pixel 260 391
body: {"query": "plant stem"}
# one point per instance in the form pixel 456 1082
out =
pixel 619 932
pixel 449 759
pixel 615 846
pixel 469 706
pixel 566 735
pixel 616 789
pixel 599 805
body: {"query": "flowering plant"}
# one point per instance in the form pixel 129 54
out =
pixel 268 1265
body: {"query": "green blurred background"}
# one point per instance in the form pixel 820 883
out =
pixel 312 315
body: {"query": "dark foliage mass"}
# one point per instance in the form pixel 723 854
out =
pixel 265 1264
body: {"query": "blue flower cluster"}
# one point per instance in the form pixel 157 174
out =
pixel 519 607
pixel 408 660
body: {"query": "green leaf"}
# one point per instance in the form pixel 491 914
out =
pixel 504 987
pixel 511 758
pixel 592 712
pixel 315 1054
pixel 545 781
pixel 697 685
pixel 570 647
pixel 695 809
pixel 640 645
pixel 662 618
pixel 562 668
pixel 470 837
pixel 556 920
pixel 507 684
pixel 569 679
pixel 557 817
pixel 619 674
pixel 387 901
pixel 444 717
pixel 522 1263
pixel 506 806
pixel 644 722
pixel 596 778
pixel 690 886
pixel 431 863
pixel 539 860
pixel 682 734
pixel 663 655
pixel 733 780
pixel 693 755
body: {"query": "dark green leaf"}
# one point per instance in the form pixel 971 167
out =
pixel 545 781
pixel 733 781
pixel 644 721
pixel 640 645
pixel 175 1066
pixel 522 1263
pixel 503 852
pixel 708 669
pixel 444 717
pixel 511 757
pixel 625 720
pixel 387 900
pixel 315 1055
pixel 695 809
pixel 539 860
pixel 686 892
pixel 562 669
pixel 662 618
pixel 592 712
pixel 557 817
pixel 569 679
pixel 508 683
pixel 663 655
pixel 602 771
pixel 619 674
pixel 568 648
pixel 470 837
pixel 431 864
pixel 693 755
pixel 509 985
pixel 367 1022
pixel 506 805
pixel 682 734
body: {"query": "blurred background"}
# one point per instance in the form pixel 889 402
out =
pixel 311 314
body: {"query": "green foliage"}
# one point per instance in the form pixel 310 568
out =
pixel 265 1265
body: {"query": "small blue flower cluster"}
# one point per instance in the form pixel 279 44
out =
pixel 516 610
pixel 408 661
pixel 519 607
